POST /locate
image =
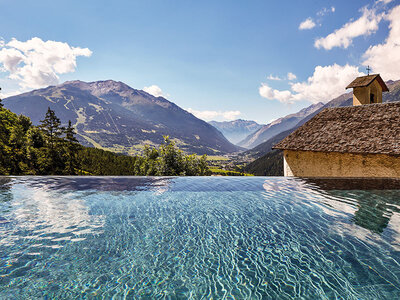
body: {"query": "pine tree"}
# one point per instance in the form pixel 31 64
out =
pixel 51 127
pixel 36 151
pixel 1 104
pixel 50 149
pixel 72 164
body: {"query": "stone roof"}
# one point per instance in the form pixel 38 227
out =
pixel 373 128
pixel 366 81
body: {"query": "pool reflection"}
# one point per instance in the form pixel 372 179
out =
pixel 376 200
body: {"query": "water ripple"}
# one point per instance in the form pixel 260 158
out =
pixel 196 238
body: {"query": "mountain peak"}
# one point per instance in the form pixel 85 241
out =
pixel 112 115
pixel 98 87
pixel 236 130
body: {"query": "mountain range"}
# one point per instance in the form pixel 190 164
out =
pixel 237 130
pixel 112 115
pixel 267 131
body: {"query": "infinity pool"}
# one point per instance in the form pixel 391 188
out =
pixel 196 238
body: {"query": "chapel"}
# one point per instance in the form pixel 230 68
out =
pixel 356 141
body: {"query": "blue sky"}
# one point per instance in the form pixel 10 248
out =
pixel 213 57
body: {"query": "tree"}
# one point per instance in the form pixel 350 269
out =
pixel 169 160
pixel 51 127
pixel 17 142
pixel 1 103
pixel 36 151
pixel 72 164
pixel 50 149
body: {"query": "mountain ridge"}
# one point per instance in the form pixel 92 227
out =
pixel 112 115
pixel 268 158
pixel 277 126
pixel 236 130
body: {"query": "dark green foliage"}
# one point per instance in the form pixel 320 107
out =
pixel 168 160
pixel 270 164
pixel 72 148
pixel 99 162
pixel 50 149
pixel 51 127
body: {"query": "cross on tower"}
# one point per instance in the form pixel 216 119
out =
pixel 368 69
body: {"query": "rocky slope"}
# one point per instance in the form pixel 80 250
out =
pixel 277 126
pixel 112 115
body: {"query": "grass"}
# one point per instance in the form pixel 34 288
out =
pixel 93 142
pixel 217 171
pixel 217 158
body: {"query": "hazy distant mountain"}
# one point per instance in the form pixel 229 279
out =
pixel 277 126
pixel 112 115
pixel 263 151
pixel 236 130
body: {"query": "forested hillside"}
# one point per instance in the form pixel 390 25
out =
pixel 50 149
pixel 271 164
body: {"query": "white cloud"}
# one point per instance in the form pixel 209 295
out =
pixel 36 63
pixel 291 76
pixel 325 11
pixel 272 77
pixel 325 84
pixel 154 90
pixel 307 24
pixel 385 58
pixel 272 94
pixel 367 24
pixel 384 1
pixel 209 115
pixel 10 94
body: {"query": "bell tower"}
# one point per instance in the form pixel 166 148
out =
pixel 368 89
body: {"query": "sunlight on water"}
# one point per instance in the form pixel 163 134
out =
pixel 196 238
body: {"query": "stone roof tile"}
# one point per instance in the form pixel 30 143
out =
pixel 373 128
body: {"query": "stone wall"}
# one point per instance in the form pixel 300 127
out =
pixel 361 94
pixel 334 164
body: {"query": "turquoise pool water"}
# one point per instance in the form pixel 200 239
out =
pixel 196 238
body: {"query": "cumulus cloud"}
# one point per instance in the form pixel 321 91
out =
pixel 307 24
pixel 291 76
pixel 385 58
pixel 272 77
pixel 154 90
pixel 367 24
pixel 36 63
pixel 209 115
pixel 325 84
pixel 285 96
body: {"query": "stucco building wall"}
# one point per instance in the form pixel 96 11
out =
pixel 361 94
pixel 334 164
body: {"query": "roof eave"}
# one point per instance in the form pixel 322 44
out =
pixel 341 152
